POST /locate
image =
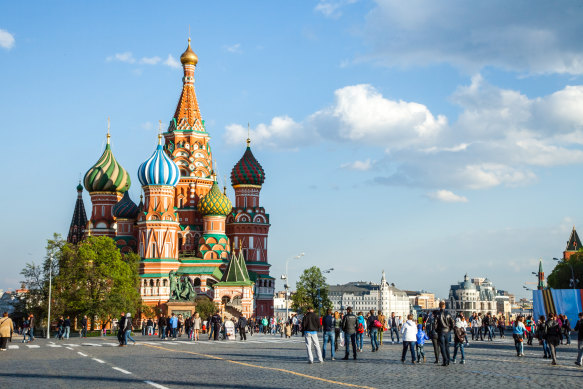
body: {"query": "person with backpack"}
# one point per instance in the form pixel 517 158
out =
pixel 360 330
pixel 459 337
pixel 541 334
pixel 409 332
pixel 373 325
pixel 329 334
pixel 518 332
pixel 579 329
pixel 421 338
pixel 431 331
pixel 553 336
pixel 349 324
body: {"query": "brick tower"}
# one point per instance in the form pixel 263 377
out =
pixel 573 245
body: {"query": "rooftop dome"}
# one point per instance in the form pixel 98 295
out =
pixel 215 203
pixel 159 169
pixel 125 208
pixel 189 57
pixel 247 171
pixel 107 175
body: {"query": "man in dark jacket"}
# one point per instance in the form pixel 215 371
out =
pixel 121 323
pixel 579 329
pixel 84 326
pixel 553 334
pixel 310 327
pixel 242 326
pixel 373 330
pixel 216 322
pixel 349 328
pixel 444 325
pixel 329 334
pixel 162 326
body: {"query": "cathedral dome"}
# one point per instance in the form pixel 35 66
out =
pixel 125 208
pixel 107 175
pixel 215 203
pixel 159 169
pixel 189 57
pixel 247 171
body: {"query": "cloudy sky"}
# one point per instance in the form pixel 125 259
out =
pixel 427 139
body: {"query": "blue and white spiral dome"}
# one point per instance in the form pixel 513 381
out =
pixel 159 169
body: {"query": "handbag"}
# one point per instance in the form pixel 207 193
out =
pixel 377 324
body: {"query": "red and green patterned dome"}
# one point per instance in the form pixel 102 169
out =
pixel 247 171
pixel 215 203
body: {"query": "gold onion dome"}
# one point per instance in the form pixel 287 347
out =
pixel 215 203
pixel 107 175
pixel 189 57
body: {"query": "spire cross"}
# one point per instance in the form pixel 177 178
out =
pixel 248 135
pixel 159 132
pixel 108 136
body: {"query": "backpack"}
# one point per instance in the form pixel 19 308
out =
pixel 359 327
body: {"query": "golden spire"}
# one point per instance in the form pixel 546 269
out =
pixel 248 135
pixel 108 136
pixel 189 57
pixel 159 132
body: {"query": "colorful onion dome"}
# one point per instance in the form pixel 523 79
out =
pixel 215 203
pixel 159 169
pixel 125 208
pixel 247 171
pixel 189 57
pixel 107 175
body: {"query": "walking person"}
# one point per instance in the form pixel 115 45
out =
pixel 215 324
pixel 373 325
pixel 553 334
pixel 6 330
pixel 242 326
pixel 459 337
pixel 67 327
pixel 383 321
pixel 60 328
pixel 329 334
pixel 121 329
pixel 310 326
pixel 360 330
pixel 444 326
pixel 502 326
pixel 421 338
pixel 394 322
pixel 196 327
pixel 31 323
pixel 579 329
pixel 349 327
pixel 150 327
pixel 432 333
pixel 337 330
pixel 529 333
pixel 84 326
pixel 518 333
pixel 541 334
pixel 174 325
pixel 566 329
pixel 128 329
pixel 162 327
pixel 409 332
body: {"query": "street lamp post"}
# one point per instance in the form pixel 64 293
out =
pixel 573 281
pixel 320 297
pixel 286 285
pixel 50 289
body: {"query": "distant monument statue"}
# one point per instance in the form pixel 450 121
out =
pixel 181 289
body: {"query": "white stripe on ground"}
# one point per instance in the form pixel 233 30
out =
pixel 13 347
pixel 91 344
pixel 111 344
pixel 98 360
pixel 69 348
pixel 71 345
pixel 54 345
pixel 80 353
pixel 155 385
pixel 32 346
pixel 121 370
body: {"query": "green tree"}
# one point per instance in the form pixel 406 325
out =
pixel 306 295
pixel 205 307
pixel 560 277
pixel 95 280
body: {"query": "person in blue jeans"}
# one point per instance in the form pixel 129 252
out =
pixel 373 330
pixel 409 332
pixel 173 325
pixel 421 338
pixel 518 331
pixel 128 329
pixel 328 322
pixel 459 337
pixel 360 329
pixel 394 324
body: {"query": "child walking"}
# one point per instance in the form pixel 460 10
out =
pixel 421 338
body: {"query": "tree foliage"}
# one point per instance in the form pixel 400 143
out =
pixel 560 277
pixel 95 280
pixel 306 295
pixel 205 307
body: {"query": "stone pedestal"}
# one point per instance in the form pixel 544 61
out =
pixel 184 308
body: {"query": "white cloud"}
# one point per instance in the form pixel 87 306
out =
pixel 126 57
pixel 6 39
pixel 528 37
pixel 150 60
pixel 332 8
pixel 172 62
pixel 236 48
pixel 282 133
pixel 358 165
pixel 447 196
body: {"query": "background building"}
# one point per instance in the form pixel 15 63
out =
pixel 476 295
pixel 424 300
pixel 364 296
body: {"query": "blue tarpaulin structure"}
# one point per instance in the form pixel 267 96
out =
pixel 558 301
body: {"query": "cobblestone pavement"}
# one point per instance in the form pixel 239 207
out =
pixel 266 361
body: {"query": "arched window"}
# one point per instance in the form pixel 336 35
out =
pixel 165 282
pixel 157 282
pixel 197 282
pixel 151 283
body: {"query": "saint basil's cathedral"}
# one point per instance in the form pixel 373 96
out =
pixel 185 226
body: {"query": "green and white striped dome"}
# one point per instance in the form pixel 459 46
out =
pixel 107 175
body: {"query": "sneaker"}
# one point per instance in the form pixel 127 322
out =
pixel 321 361
pixel 345 358
pixel 402 361
pixel 578 363
pixel 333 359
pixel 553 363
pixel 413 362
pixel 453 361
pixel 462 362
pixel 310 362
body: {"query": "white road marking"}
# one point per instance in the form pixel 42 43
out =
pixel 121 370
pixel 54 345
pixel 91 344
pixel 69 348
pixel 71 345
pixel 111 344
pixel 13 347
pixel 80 353
pixel 98 360
pixel 32 346
pixel 155 385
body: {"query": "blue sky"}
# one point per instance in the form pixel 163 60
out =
pixel 427 139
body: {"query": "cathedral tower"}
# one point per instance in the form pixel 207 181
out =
pixel 79 221
pixel 125 213
pixel 214 206
pixel 573 245
pixel 106 183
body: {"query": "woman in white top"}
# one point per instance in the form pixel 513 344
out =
pixel 196 327
pixel 459 337
pixel 409 332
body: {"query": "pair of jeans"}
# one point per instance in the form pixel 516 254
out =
pixel 444 345
pixel 359 338
pixel 174 331
pixel 396 331
pixel 311 338
pixel 350 338
pixel 459 345
pixel 329 336
pixel 373 339
pixel 337 338
pixel 128 335
pixel 31 333
pixel 67 332
pixel 163 332
pixel 420 349
pixel 150 330
pixel 546 349
pixel 84 332
pixel 580 353
pixel 411 346
pixel 435 343
pixel 488 332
